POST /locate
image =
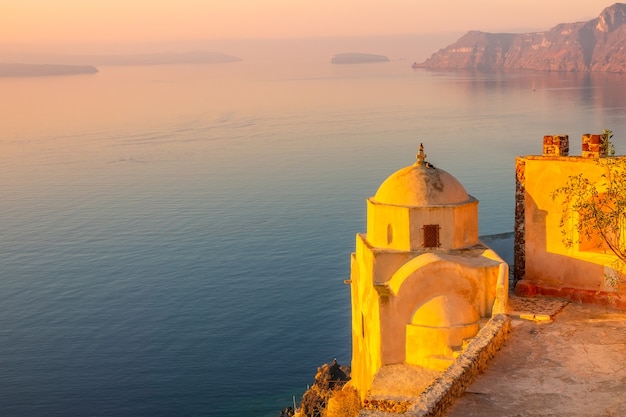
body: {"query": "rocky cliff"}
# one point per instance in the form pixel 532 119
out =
pixel 596 45
pixel 328 380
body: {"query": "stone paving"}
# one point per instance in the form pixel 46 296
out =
pixel 535 309
pixel 561 359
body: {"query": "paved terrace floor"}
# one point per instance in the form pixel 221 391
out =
pixel 569 361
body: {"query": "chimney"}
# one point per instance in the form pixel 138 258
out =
pixel 556 145
pixel 593 146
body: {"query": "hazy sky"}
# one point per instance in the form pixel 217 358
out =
pixel 46 21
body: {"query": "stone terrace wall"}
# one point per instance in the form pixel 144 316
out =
pixel 519 243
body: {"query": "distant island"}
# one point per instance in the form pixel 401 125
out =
pixel 39 70
pixel 85 64
pixel 356 58
pixel 164 58
pixel 596 45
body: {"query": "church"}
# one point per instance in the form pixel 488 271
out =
pixel 422 283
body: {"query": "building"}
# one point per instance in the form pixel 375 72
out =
pixel 556 254
pixel 422 283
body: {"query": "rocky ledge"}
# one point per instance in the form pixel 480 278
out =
pixel 329 396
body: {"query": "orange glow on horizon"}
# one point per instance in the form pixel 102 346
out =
pixel 78 21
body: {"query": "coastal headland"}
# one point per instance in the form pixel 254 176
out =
pixel 575 47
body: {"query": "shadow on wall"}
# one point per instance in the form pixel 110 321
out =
pixel 553 269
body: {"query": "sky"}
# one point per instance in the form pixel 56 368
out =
pixel 102 21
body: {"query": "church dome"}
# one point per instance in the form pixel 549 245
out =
pixel 419 185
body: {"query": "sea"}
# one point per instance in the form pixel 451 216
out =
pixel 174 239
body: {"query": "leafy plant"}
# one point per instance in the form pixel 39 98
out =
pixel 607 144
pixel 594 212
pixel 344 403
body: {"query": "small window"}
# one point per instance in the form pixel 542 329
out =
pixel 431 236
pixel 389 234
pixel 362 326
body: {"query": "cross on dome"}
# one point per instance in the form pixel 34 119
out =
pixel 421 156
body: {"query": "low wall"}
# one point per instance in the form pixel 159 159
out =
pixel 457 378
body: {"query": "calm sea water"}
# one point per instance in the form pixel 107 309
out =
pixel 174 239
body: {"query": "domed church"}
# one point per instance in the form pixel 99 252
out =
pixel 422 283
